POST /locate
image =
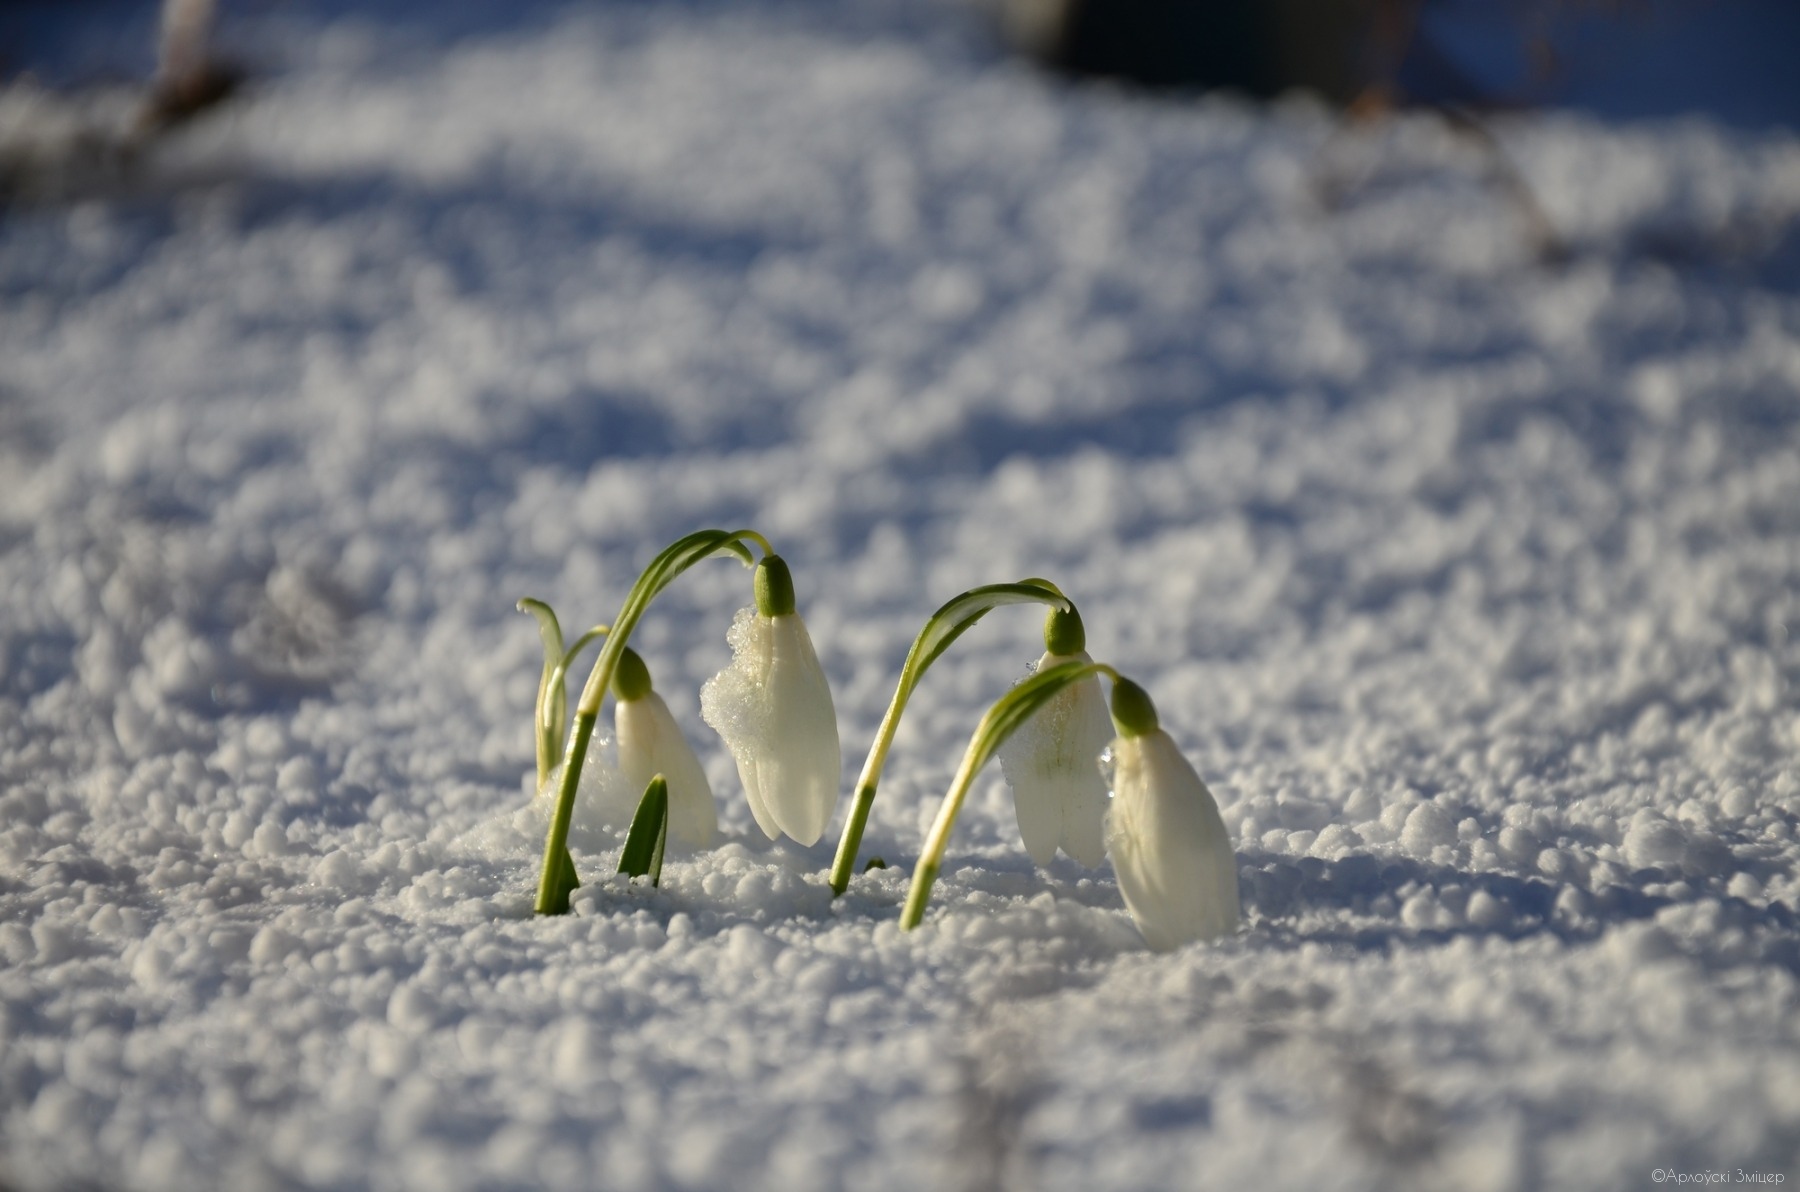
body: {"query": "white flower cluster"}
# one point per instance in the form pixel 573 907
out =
pixel 1092 784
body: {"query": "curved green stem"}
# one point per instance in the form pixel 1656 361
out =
pixel 1008 713
pixel 554 880
pixel 748 536
pixel 942 628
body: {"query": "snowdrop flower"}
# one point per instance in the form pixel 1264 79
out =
pixel 650 743
pixel 1169 847
pixel 1058 793
pixel 773 708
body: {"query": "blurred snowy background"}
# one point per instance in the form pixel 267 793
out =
pixel 1466 572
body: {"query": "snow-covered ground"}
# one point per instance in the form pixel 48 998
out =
pixel 1470 583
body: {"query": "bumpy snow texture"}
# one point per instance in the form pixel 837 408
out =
pixel 1469 582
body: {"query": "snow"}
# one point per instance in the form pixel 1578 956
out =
pixel 1468 582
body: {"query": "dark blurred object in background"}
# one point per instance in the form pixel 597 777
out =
pixel 1261 47
pixel 189 79
pixel 1734 60
pixel 87 135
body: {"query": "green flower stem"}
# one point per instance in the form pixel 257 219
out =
pixel 943 628
pixel 1008 713
pixel 553 880
pixel 556 880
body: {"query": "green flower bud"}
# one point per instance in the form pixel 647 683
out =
pixel 1064 635
pixel 774 587
pixel 631 678
pixel 1132 712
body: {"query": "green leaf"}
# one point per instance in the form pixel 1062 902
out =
pixel 643 852
pixel 547 715
pixel 875 863
pixel 548 627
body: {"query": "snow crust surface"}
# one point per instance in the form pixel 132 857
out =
pixel 1469 583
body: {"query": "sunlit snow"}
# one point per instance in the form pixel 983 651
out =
pixel 1468 582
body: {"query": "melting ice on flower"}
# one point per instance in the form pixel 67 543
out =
pixel 1169 846
pixel 773 708
pixel 1058 793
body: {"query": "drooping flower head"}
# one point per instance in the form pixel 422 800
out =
pixel 651 743
pixel 773 707
pixel 1058 793
pixel 1169 846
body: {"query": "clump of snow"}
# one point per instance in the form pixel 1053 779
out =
pixel 1468 584
pixel 733 700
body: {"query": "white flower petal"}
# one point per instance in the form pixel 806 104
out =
pixel 1039 811
pixel 1169 846
pixel 651 743
pixel 773 707
pixel 1058 793
pixel 752 780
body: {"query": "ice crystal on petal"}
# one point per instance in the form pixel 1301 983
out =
pixel 773 708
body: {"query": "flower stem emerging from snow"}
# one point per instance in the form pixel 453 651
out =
pixel 643 852
pixel 1008 713
pixel 556 878
pixel 944 627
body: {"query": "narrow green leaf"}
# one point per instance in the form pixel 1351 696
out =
pixel 547 715
pixel 875 863
pixel 548 627
pixel 643 852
